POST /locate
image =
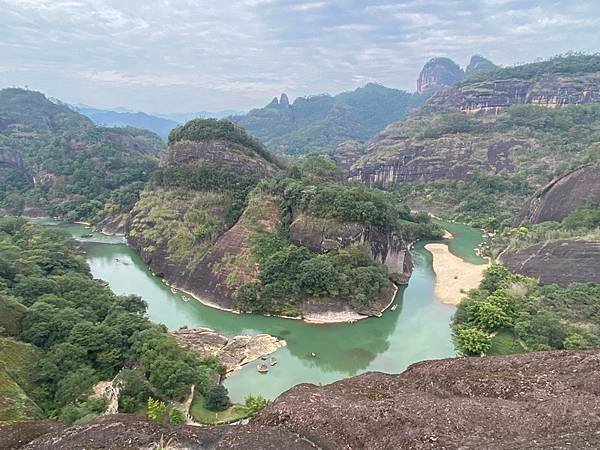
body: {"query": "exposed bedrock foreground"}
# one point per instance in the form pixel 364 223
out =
pixel 538 400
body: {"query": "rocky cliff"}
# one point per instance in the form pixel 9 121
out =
pixel 561 261
pixel 535 401
pixel 324 235
pixel 493 96
pixel 479 64
pixel 563 195
pixel 438 72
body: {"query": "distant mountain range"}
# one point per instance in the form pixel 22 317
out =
pixel 161 124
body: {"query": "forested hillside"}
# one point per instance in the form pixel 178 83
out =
pixel 62 332
pixel 56 161
pixel 319 123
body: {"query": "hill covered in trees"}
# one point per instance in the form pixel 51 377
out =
pixel 321 122
pixel 61 332
pixel 55 161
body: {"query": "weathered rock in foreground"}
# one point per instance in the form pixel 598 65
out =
pixel 561 262
pixel 543 400
pixel 563 195
pixel 233 353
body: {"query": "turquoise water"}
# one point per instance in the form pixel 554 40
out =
pixel 417 330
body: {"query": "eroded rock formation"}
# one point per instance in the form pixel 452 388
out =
pixel 561 261
pixel 563 195
pixel 233 353
pixel 438 72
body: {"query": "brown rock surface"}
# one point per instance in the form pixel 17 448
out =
pixel 233 353
pixel 561 262
pixel 438 72
pixel 564 195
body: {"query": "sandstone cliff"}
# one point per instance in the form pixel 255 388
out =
pixel 478 64
pixel 438 72
pixel 563 195
pixel 535 401
pixel 324 235
pixel 561 262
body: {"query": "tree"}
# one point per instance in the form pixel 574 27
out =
pixel 217 398
pixel 255 404
pixel 472 340
pixel 177 417
pixel 156 409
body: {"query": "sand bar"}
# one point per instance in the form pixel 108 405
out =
pixel 454 277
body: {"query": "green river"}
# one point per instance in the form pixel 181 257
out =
pixel 417 330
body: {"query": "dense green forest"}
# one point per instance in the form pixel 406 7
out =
pixel 320 123
pixel 57 162
pixel 513 314
pixel 64 332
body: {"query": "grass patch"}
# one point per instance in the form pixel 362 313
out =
pixel 200 414
pixel 505 343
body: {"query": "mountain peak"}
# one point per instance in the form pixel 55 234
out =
pixel 479 63
pixel 438 72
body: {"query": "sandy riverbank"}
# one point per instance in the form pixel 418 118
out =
pixel 453 276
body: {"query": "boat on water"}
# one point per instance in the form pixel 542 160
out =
pixel 274 360
pixel 262 368
pixel 185 298
pixel 85 236
pixel 393 308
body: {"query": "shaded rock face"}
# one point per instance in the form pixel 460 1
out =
pixel 220 152
pixel 438 72
pixel 347 153
pixel 478 64
pixel 492 97
pixel 323 235
pixel 561 262
pixel 11 160
pixel 455 157
pixel 284 100
pixel 542 400
pixel 232 353
pixel 564 195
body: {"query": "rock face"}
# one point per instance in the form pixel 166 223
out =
pixel 564 195
pixel 561 262
pixel 323 235
pixel 478 64
pixel 494 96
pixel 284 101
pixel 438 72
pixel 233 353
pixel 543 400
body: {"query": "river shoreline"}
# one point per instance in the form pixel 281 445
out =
pixel 454 277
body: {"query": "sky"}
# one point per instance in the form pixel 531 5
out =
pixel 190 55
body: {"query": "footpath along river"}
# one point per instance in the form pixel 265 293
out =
pixel 417 330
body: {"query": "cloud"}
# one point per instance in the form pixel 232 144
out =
pixel 168 55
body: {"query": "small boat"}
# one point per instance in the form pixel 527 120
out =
pixel 274 360
pixel 185 298
pixel 264 358
pixel 393 308
pixel 313 354
pixel 174 291
pixel 85 236
pixel 262 368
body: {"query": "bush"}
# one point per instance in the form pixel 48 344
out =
pixel 472 340
pixel 156 410
pixel 255 404
pixel 177 417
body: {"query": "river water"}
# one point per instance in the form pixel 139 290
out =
pixel 417 330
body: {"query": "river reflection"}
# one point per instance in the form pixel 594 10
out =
pixel 418 329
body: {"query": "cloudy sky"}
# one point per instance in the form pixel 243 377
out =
pixel 190 55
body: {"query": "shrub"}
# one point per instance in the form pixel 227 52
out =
pixel 472 340
pixel 217 398
pixel 177 417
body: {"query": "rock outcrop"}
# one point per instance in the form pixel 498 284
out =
pixel 284 101
pixel 438 72
pixel 543 400
pixel 561 262
pixel 324 235
pixel 563 195
pixel 494 96
pixel 479 64
pixel 232 353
